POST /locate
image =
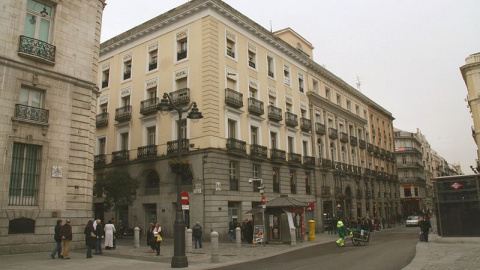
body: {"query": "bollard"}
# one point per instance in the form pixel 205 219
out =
pixel 214 241
pixel 188 240
pixel 311 231
pixel 238 236
pixel 136 237
pixel 293 237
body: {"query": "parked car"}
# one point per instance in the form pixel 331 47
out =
pixel 413 221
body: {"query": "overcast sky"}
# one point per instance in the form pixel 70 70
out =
pixel 406 54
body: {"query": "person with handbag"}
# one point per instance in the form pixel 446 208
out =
pixel 157 235
pixel 90 238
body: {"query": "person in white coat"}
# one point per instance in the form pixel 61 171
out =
pixel 109 232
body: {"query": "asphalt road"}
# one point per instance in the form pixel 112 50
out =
pixel 387 250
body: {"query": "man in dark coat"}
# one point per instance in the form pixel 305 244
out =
pixel 99 232
pixel 67 236
pixel 58 239
pixel 197 234
pixel 425 226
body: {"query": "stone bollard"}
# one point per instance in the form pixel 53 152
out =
pixel 214 242
pixel 136 237
pixel 238 236
pixel 293 236
pixel 188 240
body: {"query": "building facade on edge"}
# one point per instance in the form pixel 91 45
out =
pixel 269 112
pixel 471 76
pixel 48 87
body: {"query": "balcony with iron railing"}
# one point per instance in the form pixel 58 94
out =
pixel 101 119
pixel 305 124
pixel 362 144
pixel 127 75
pixel 353 141
pixel 270 74
pixel 99 161
pixel 291 119
pixel 172 146
pixel 233 98
pixel 181 55
pixel 104 84
pixel 180 97
pixel 255 106
pixel 120 156
pixel 277 155
pixel 251 64
pixel 31 114
pixel 326 192
pixel 343 137
pixel 376 150
pixel 148 106
pixel 274 113
pixel 230 53
pixel 236 146
pixel 147 151
pixel 123 113
pixel 152 65
pixel 294 159
pixel 332 133
pixel 309 161
pixel 320 128
pixel 37 50
pixel 369 147
pixel 258 152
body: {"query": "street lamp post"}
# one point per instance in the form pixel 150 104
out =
pixel 179 260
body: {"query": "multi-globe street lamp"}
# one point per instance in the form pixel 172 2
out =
pixel 179 260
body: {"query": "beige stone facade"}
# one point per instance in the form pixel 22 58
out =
pixel 48 60
pixel 264 104
pixel 471 76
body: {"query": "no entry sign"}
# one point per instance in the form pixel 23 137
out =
pixel 185 198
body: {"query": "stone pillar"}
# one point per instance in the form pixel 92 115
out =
pixel 214 242
pixel 238 236
pixel 188 240
pixel 293 237
pixel 136 237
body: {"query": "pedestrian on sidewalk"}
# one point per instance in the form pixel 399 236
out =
pixel 197 234
pixel 90 238
pixel 66 236
pixel 425 226
pixel 109 234
pixel 58 239
pixel 157 231
pixel 99 232
pixel 151 241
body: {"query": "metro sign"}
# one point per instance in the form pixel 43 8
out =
pixel 456 185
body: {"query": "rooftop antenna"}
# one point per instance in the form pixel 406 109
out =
pixel 271 30
pixel 358 83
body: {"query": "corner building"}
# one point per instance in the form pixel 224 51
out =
pixel 253 88
pixel 48 60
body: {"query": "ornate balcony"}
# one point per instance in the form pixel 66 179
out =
pixel 180 97
pixel 255 106
pixel 353 141
pixel 181 55
pixel 172 146
pixel 230 53
pixel 294 159
pixel 233 98
pixel 235 146
pixel 120 156
pixel 258 151
pixel 29 113
pixel 332 133
pixel 326 192
pixel 123 113
pixel 148 106
pixel 104 84
pixel 309 161
pixel 102 119
pixel 326 163
pixel 291 119
pixel 277 155
pixel 320 128
pixel 37 50
pixel 148 151
pixel 251 64
pixel 153 65
pixel 362 144
pixel 274 113
pixel 127 75
pixel 343 137
pixel 305 124
pixel 376 151
pixel 370 147
pixel 99 161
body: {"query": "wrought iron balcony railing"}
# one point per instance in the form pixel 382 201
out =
pixel 148 106
pixel 230 53
pixel 332 133
pixel 353 141
pixel 343 137
pixel 102 119
pixel 291 119
pixel 153 65
pixel 37 50
pixel 258 151
pixel 251 64
pixel 127 75
pixel 255 106
pixel 120 156
pixel 236 146
pixel 277 155
pixel 309 161
pixel 274 113
pixel 172 146
pixel 305 124
pixel 29 113
pixel 369 147
pixel 233 98
pixel 99 160
pixel 320 128
pixel 147 151
pixel 294 158
pixel 181 96
pixel 104 84
pixel 181 55
pixel 123 113
pixel 362 144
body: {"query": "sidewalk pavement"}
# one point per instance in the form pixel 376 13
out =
pixel 438 253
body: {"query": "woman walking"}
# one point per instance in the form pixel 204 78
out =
pixel 109 232
pixel 156 232
pixel 150 241
pixel 90 238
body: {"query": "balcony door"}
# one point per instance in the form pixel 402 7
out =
pixel 38 21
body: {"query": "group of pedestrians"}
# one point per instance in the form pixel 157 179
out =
pixel 63 234
pixel 95 232
pixel 154 237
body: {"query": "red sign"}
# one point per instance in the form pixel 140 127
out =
pixel 456 185
pixel 185 198
pixel 263 200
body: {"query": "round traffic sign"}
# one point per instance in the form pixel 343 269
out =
pixel 185 198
